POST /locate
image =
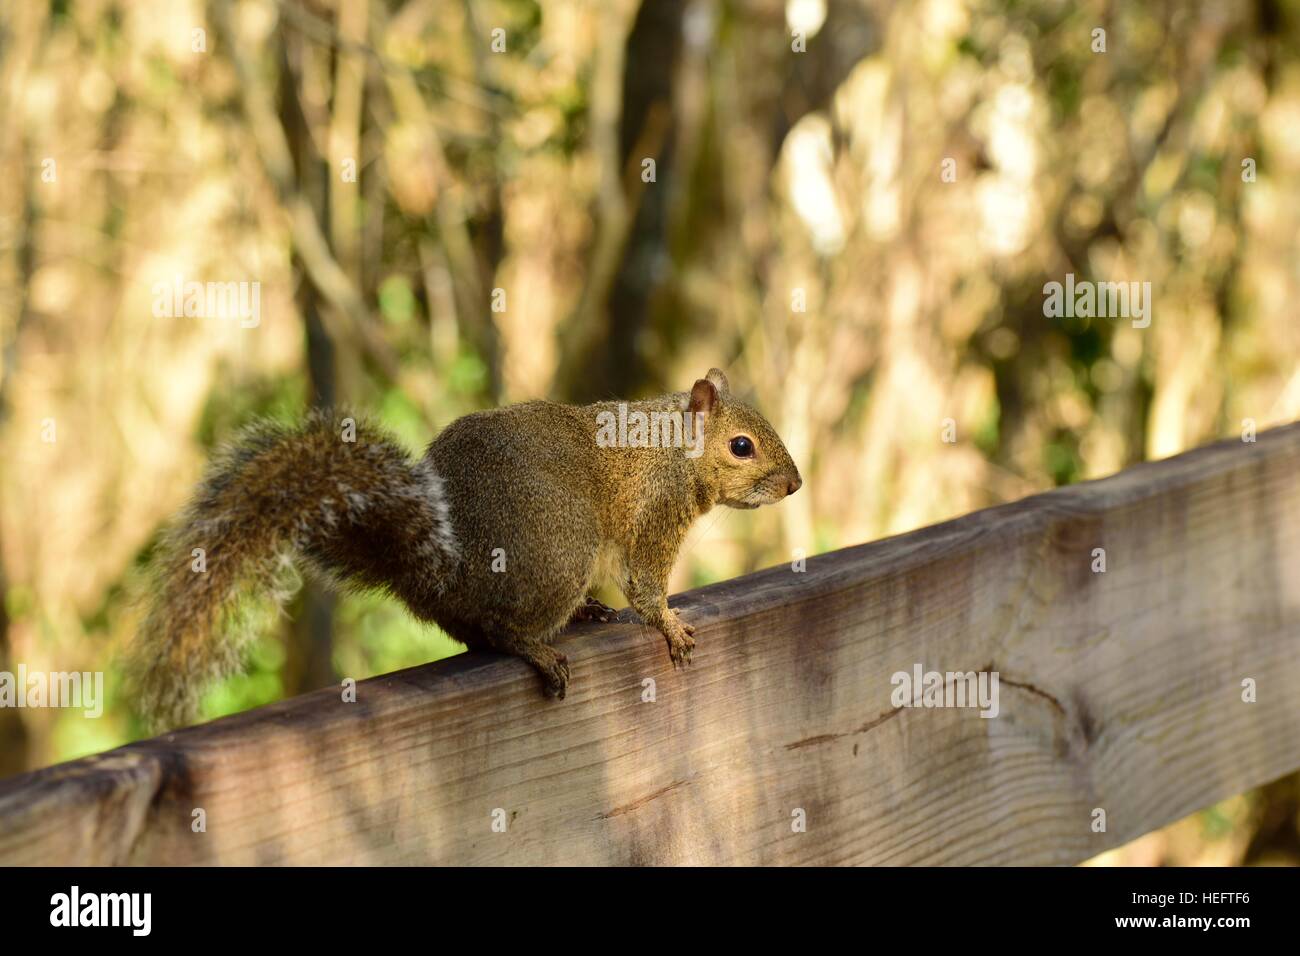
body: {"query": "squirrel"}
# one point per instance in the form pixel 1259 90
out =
pixel 497 534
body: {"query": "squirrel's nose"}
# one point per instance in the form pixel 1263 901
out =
pixel 795 484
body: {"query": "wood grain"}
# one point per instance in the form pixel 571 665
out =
pixel 1119 690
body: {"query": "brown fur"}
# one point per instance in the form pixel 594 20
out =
pixel 528 479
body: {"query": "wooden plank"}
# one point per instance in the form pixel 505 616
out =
pixel 1118 690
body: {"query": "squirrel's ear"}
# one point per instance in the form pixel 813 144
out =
pixel 719 381
pixel 704 396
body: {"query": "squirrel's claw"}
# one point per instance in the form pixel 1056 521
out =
pixel 593 610
pixel 680 650
pixel 680 641
pixel 680 644
pixel 557 677
pixel 550 664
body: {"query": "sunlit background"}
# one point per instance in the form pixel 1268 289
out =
pixel 852 206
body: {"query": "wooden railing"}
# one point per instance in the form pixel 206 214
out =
pixel 1123 702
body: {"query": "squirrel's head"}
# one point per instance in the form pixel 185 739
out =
pixel 744 461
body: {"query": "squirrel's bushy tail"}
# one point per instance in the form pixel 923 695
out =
pixel 342 494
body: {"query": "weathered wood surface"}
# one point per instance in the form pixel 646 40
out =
pixel 1120 691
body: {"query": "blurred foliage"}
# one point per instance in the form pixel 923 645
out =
pixel 145 139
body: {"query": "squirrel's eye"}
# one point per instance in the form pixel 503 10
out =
pixel 742 447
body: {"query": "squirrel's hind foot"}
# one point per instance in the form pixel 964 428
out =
pixel 550 664
pixel 593 610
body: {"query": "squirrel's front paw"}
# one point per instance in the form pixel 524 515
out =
pixel 680 641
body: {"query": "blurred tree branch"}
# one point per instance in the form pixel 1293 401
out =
pixel 618 194
pixel 309 239
pixel 470 277
pixel 455 88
